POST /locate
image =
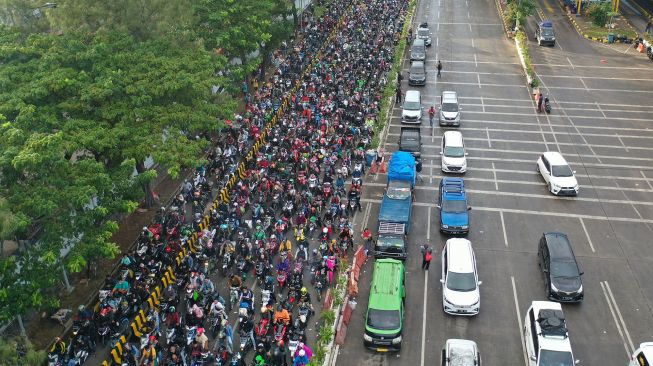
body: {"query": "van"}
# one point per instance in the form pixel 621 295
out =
pixel 460 352
pixel 558 264
pixel 449 109
pixel 418 50
pixel 453 153
pixel 460 284
pixel 417 73
pixel 643 356
pixel 412 107
pixel 384 320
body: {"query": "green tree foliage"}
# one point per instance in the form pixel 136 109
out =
pixel 518 10
pixel 19 352
pixel 599 13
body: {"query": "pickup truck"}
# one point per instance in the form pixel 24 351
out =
pixel 396 207
pixel 410 141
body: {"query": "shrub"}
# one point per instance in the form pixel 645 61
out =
pixel 599 13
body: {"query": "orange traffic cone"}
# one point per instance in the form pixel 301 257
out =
pixel 641 48
pixel 373 167
pixel 383 168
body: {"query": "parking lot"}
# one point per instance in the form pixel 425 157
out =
pixel 602 123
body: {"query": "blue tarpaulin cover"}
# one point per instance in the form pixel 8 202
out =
pixel 402 167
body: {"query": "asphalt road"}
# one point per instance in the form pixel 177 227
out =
pixel 602 122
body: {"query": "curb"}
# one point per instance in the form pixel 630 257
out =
pixel 503 20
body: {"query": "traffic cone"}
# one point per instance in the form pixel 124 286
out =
pixel 373 168
pixel 641 48
pixel 383 168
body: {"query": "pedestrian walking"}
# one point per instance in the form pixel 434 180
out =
pixel 426 260
pixel 540 100
pixel 398 98
pixel 431 115
pixel 648 28
pixel 367 240
pixel 399 78
pixel 439 68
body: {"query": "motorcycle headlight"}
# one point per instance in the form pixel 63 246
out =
pixel 367 338
pixel 396 340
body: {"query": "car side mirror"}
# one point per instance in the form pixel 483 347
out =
pixel 574 172
pixel 533 358
pixel 438 206
pixel 442 280
pixel 576 362
pixel 466 153
pixel 480 283
pixel 545 270
pixel 469 208
pixel 582 273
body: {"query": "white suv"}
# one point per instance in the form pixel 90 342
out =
pixel 460 293
pixel 546 336
pixel 453 153
pixel 460 352
pixel 557 174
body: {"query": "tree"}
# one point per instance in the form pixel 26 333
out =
pixel 599 13
pixel 519 10
pixel 10 223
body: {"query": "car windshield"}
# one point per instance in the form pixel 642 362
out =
pixel 561 171
pixel 417 70
pixel 463 282
pixel 383 319
pixel 560 268
pixel 450 107
pixel 398 192
pixel 413 106
pixel 454 151
pixel 555 358
pixel 390 243
pixel 454 206
pixel 423 32
pixel 547 32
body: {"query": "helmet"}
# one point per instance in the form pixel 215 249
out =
pixel 279 308
pixel 325 230
pixel 303 290
pixel 171 309
pixel 302 353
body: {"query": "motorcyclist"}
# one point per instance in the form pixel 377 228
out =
pixel 235 281
pixel 281 316
pixel 247 296
pixel 279 354
pixel 59 347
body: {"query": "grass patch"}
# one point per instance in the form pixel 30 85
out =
pixel 520 36
pixel 591 30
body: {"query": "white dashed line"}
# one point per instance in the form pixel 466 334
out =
pixel 587 235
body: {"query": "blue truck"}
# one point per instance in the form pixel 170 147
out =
pixel 452 203
pixel 396 207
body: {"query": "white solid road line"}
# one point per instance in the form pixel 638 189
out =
pixel 534 195
pixel 589 240
pixel 531 212
pixel 428 224
pixel 623 324
pixel 646 179
pixel 521 326
pixel 623 332
pixel 503 228
pixel 426 281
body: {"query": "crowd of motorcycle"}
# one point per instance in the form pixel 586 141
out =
pixel 286 225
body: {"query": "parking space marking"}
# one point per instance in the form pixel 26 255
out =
pixel 541 213
pixel 646 179
pixel 366 216
pixel 484 84
pixel 494 173
pixel 487 132
pixel 568 115
pixel 503 228
pixel 618 319
pixel 428 223
pixel 589 240
pixel 521 326
pixel 622 190
pixel 426 282
pixel 518 123
pixel 596 67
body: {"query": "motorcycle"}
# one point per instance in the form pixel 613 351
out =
pixel 547 105
pixel 302 319
pixel 234 294
pixel 226 263
pixel 245 341
pixel 281 280
pixel 263 329
pixel 280 332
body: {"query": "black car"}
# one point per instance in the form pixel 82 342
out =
pixel 558 264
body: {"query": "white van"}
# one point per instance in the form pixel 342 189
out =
pixel 460 292
pixel 453 153
pixel 449 109
pixel 412 107
pixel 643 356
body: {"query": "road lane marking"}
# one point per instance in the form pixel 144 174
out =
pixel 623 323
pixel 366 217
pixel 521 326
pixel 487 132
pixel 494 173
pixel 476 62
pixel 646 179
pixel 600 110
pixel 622 142
pixel 615 310
pixel 596 67
pixel 503 228
pixel 541 213
pixel 589 240
pixel 583 82
pixel 428 223
pixel 426 281
pixel 482 102
pixel 479 80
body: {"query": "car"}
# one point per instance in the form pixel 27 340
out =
pixel 460 284
pixel 418 50
pixel 417 73
pixel 643 356
pixel 453 153
pixel 449 109
pixel 557 174
pixel 384 319
pixel 424 33
pixel 411 111
pixel 558 265
pixel 452 203
pixel 460 352
pixel 546 336
pixel 544 33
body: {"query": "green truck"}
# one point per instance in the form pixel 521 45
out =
pixel 384 320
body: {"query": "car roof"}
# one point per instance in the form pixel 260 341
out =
pixel 418 42
pixel 555 343
pixel 417 64
pixel 546 24
pixel 460 255
pixel 555 158
pixel 412 94
pixel 386 284
pixel 462 352
pixel 450 96
pixel 453 188
pixel 454 138
pixel 559 246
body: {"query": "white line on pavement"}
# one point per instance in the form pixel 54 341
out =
pixel 503 228
pixel 623 323
pixel 487 132
pixel 595 67
pixel 494 173
pixel 366 217
pixel 542 213
pixel 521 327
pixel 428 223
pixel 611 306
pixel 646 179
pixel 589 240
pixel 426 281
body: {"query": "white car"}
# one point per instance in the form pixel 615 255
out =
pixel 460 352
pixel 643 356
pixel 546 336
pixel 460 292
pixel 453 153
pixel 557 174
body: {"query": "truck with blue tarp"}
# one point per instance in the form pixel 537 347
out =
pixel 396 207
